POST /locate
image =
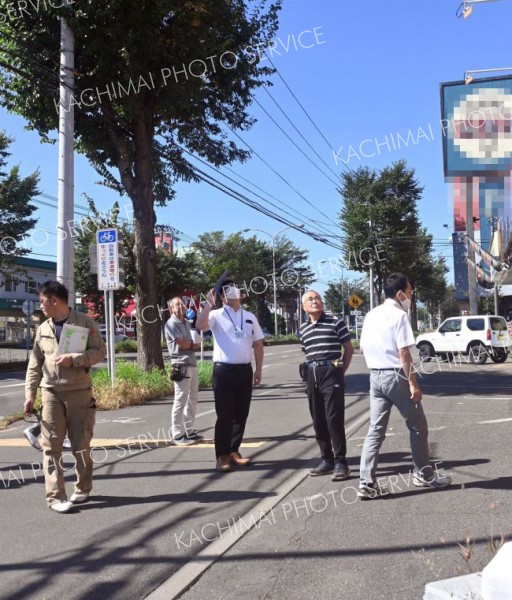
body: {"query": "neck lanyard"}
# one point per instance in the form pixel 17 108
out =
pixel 241 319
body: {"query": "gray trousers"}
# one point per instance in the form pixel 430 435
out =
pixel 388 388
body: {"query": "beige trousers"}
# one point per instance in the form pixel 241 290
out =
pixel 74 412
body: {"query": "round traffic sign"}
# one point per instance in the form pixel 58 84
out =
pixel 28 307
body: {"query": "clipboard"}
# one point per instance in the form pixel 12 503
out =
pixel 73 339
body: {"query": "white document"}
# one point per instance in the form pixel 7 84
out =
pixel 72 339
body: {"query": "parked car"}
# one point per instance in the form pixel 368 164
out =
pixel 118 336
pixel 475 336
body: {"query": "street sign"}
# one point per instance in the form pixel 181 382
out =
pixel 28 307
pixel 354 301
pixel 108 260
pixel 355 313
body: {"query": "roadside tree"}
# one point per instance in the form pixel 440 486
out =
pixel 16 194
pixel 153 81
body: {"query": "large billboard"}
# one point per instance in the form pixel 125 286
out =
pixel 477 153
pixel 476 121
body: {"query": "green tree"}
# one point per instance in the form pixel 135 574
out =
pixel 16 194
pixel 430 285
pixel 249 262
pixel 338 292
pixel 176 72
pixel 380 221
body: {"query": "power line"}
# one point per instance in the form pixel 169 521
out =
pixel 305 111
pixel 212 181
pixel 293 142
pixel 298 131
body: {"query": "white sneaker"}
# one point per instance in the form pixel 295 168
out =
pixel 436 481
pixel 32 440
pixel 66 444
pixel 61 507
pixel 78 498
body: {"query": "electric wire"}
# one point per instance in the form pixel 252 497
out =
pixel 208 180
pixel 305 111
pixel 293 142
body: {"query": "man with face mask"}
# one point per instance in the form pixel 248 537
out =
pixel 236 335
pixel 386 340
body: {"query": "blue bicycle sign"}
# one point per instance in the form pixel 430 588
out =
pixel 107 236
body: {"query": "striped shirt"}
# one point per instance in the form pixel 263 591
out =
pixel 323 340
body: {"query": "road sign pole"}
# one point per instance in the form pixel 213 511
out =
pixel 28 335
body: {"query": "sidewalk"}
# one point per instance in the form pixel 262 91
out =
pixel 156 507
pixel 321 542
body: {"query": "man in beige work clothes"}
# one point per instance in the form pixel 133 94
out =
pixel 65 383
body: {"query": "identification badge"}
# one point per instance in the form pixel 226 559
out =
pixel 240 334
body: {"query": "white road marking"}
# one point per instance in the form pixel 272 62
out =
pixel 208 412
pixel 12 385
pixel 488 398
pixel 494 421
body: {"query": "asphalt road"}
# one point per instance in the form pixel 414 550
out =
pixel 155 507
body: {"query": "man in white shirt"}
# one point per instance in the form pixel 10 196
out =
pixel 236 334
pixel 386 340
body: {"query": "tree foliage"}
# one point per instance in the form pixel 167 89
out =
pixel 16 194
pixel 140 80
pixel 249 262
pixel 338 292
pixel 380 213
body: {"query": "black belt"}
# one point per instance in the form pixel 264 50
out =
pixel 337 362
pixel 388 369
pixel 225 364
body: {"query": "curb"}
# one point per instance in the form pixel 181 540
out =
pixel 184 578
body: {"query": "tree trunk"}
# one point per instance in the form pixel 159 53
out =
pixel 149 349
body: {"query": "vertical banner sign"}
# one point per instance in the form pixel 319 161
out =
pixel 108 260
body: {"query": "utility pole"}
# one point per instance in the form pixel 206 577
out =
pixel 65 216
pixel 370 273
pixel 473 302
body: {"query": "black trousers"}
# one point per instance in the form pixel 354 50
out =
pixel 232 390
pixel 326 396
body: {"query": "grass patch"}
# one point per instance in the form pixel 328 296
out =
pixel 133 386
pixel 126 346
pixel 204 373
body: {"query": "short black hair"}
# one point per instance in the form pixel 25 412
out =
pixel 54 289
pixel 396 282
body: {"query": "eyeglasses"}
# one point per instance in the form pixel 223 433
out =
pixel 313 299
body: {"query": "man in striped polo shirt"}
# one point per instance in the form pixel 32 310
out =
pixel 322 338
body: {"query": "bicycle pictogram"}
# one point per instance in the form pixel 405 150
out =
pixel 106 236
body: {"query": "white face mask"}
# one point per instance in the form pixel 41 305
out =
pixel 405 303
pixel 231 292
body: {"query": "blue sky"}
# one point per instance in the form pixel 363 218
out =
pixel 372 72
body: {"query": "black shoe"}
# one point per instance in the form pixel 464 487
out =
pixel 341 472
pixel 324 468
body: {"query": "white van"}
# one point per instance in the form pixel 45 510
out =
pixel 478 336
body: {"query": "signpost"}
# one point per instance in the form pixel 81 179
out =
pixel 28 308
pixel 355 302
pixel 108 281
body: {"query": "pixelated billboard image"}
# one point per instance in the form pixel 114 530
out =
pixel 476 123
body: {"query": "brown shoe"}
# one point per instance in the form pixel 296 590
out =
pixel 223 464
pixel 236 459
